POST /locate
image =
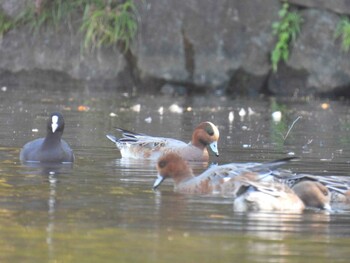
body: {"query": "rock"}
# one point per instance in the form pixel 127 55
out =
pixel 201 41
pixel 57 51
pixel 14 7
pixel 173 89
pixel 337 6
pixel 317 56
pixel 289 82
pixel 159 44
pixel 188 46
pixel 243 83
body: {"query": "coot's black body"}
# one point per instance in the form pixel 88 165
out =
pixel 51 149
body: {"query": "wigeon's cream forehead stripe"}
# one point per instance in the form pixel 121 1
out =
pixel 215 129
pixel 54 123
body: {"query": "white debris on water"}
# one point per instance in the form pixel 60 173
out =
pixel 242 112
pixel 231 116
pixel 251 112
pixel 148 119
pixel 174 108
pixel 136 108
pixel 276 116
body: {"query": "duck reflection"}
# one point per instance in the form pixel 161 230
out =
pixel 51 202
pixel 50 172
pixel 275 237
pixel 47 168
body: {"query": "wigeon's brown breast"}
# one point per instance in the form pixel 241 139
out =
pixel 194 186
pixel 192 153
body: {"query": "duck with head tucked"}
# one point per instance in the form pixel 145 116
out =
pixel 336 189
pixel 141 146
pixel 52 148
pixel 265 196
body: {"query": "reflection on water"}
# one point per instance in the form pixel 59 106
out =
pixel 102 208
pixel 51 214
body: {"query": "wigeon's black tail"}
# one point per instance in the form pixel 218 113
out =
pixel 112 138
pixel 280 162
pixel 128 133
pixel 128 136
pixel 121 140
pixel 276 163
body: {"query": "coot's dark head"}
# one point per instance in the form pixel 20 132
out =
pixel 51 149
pixel 55 123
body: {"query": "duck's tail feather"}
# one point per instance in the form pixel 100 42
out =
pixel 273 164
pixel 112 138
pixel 126 139
pixel 128 133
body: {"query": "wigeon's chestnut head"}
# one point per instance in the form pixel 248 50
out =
pixel 52 148
pixel 172 165
pixel 142 146
pixel 206 134
pixel 313 194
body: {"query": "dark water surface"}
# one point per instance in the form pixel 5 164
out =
pixel 102 209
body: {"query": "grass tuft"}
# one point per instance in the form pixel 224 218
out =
pixel 103 22
pixel 343 32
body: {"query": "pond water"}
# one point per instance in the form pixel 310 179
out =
pixel 102 209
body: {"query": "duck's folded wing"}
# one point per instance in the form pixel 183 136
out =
pixel 152 142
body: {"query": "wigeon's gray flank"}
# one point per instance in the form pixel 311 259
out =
pixel 265 196
pixel 142 146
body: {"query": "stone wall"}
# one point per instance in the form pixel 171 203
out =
pixel 197 44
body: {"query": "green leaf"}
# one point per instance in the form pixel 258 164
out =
pixel 286 30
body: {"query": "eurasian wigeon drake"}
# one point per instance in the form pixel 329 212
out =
pixel 265 196
pixel 52 148
pixel 217 179
pixel 141 146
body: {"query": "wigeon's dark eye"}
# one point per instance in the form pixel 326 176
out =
pixel 209 130
pixel 162 164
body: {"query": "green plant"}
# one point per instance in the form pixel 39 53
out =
pixel 50 13
pixel 107 25
pixel 102 22
pixel 5 23
pixel 343 31
pixel 286 30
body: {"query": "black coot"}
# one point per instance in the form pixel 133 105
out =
pixel 51 149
